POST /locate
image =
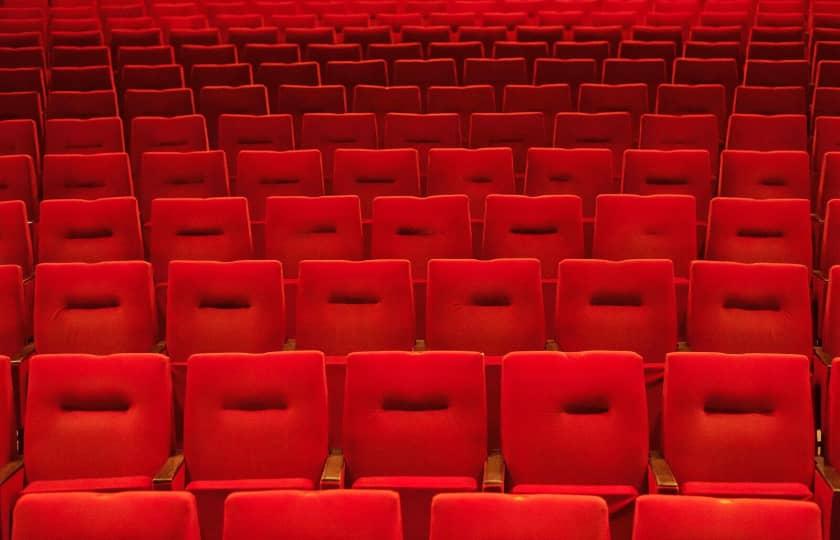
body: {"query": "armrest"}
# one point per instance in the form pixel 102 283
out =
pixel 332 476
pixel 682 346
pixel 829 475
pixel 160 347
pixel 824 357
pixel 551 345
pixel 171 476
pixel 818 274
pixel 420 345
pixel 661 477
pixel 27 351
pixel 494 474
pixel 10 469
pixel 290 345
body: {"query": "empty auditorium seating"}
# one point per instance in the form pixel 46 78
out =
pixel 166 134
pixel 757 132
pixel 214 101
pixel 328 132
pixel 241 132
pixel 17 171
pixel 765 175
pixel 654 172
pixel 611 130
pixel 585 172
pixel 385 398
pixel 373 173
pixel 534 386
pixel 13 330
pixel 477 173
pixel 421 132
pixel 86 176
pixel 83 136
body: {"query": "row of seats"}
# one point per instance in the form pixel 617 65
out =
pixel 375 515
pixel 572 424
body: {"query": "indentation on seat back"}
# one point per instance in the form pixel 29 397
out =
pixel 595 405
pixel 278 181
pixel 92 303
pixel 490 300
pixel 200 231
pixel 88 234
pixel 414 231
pixel 171 144
pixel 759 233
pixel 593 140
pixel 719 404
pixel 84 146
pixel 422 140
pixel 665 181
pixel 341 140
pixel 83 184
pixel 773 181
pixel 535 230
pixel 184 180
pixel 616 299
pixel 480 179
pixel 255 403
pixel 224 303
pixel 560 178
pixel 323 228
pixel 766 303
pixel 252 141
pixel 353 299
pixel 375 180
pixel 105 402
pixel 425 404
pixel 506 140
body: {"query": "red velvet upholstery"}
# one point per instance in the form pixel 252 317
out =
pixel 497 72
pixel 416 423
pixel 172 134
pixel 330 515
pixel 73 230
pixel 518 131
pixel 19 180
pixel 548 99
pixel 770 100
pixel 576 424
pixel 611 130
pixel 777 73
pixel 205 75
pixel 100 308
pixel 830 334
pixel 548 228
pixel 489 306
pixel 327 132
pixel 83 136
pixel 15 241
pixel 345 306
pixel 239 132
pixel 694 71
pixel 13 326
pixel 646 227
pixel 386 99
pixel 424 73
pixel 86 176
pixel 252 422
pixel 610 98
pixel 741 308
pixel 662 517
pixel 463 100
pixel 158 77
pixel 299 228
pixel 129 516
pixel 491 516
pixel 8 425
pixel 352 73
pixel 90 407
pixel 765 175
pixel 82 104
pixel 725 435
pixel 181 175
pixel 477 173
pixel 81 79
pixel 265 174
pixel 750 230
pixel 374 173
pixel 585 172
pixel 654 172
pixel 169 103
pixel 198 229
pixel 697 101
pixel 766 133
pixel 421 132
pixel 421 228
pixel 214 101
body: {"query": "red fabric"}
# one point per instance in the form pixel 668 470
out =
pixel 611 130
pixel 129 516
pixel 386 99
pixel 617 305
pixel 176 134
pixel 264 174
pixel 99 308
pixel 750 230
pixel 420 229
pixel 485 517
pixel 752 490
pixel 269 53
pixel 779 72
pixel 497 72
pixel 655 172
pixel 424 73
pixel 83 136
pixel 214 101
pixel 13 325
pixel 102 485
pixel 570 71
pixel 238 132
pixel 720 426
pixel 765 133
pixel 770 100
pixel 223 307
pixel 585 172
pixel 518 131
pixel 216 229
pixel 170 102
pixel 16 243
pixel 181 175
pixel 328 131
pixel 421 132
pixel 765 175
pixel 548 99
pixel 649 71
pixel 722 71
pixel 151 55
pixel 489 306
pixel 82 104
pixel 81 79
pixel 90 406
pixel 87 176
pixel 825 141
pixel 328 515
pixel 701 100
pixel 351 73
pixel 548 228
pixel 464 100
pixel 301 228
pixel 73 230
pixel 475 172
pixel 157 77
pixel 655 226
pixel 8 423
pixel 610 98
pixel 345 306
pixel 741 308
pixel 663 517
pixel 230 74
pixel 375 173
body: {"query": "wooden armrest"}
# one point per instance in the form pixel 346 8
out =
pixel 662 474
pixel 165 477
pixel 824 357
pixel 551 345
pixel 160 347
pixel 682 346
pixel 494 474
pixel 829 474
pixel 332 476
pixel 420 345
pixel 290 345
pixel 27 351
pixel 10 469
pixel 818 274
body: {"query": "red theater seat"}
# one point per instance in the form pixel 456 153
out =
pixel 168 103
pixel 699 100
pixel 695 71
pixel 72 230
pixel 155 77
pixel 497 72
pixel 658 172
pixel 464 100
pixel 16 242
pixel 166 134
pixel 610 130
pixel 214 101
pixel 363 515
pixel 765 175
pixel 477 173
pixel 14 331
pixel 92 104
pixel 152 515
pixel 777 73
pixel 241 132
pixel 86 176
pixel 695 518
pixel 387 396
pixel 424 73
pixel 421 132
pixel 181 174
pixel 585 172
pixel 83 136
pixel 582 391
pixel 81 79
pixel 17 175
pixel 374 173
pixel 68 56
pixel 769 100
pixel 756 132
pixel 328 132
pixel 574 72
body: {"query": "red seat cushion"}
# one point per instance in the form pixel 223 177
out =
pixel 115 483
pixel 752 490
